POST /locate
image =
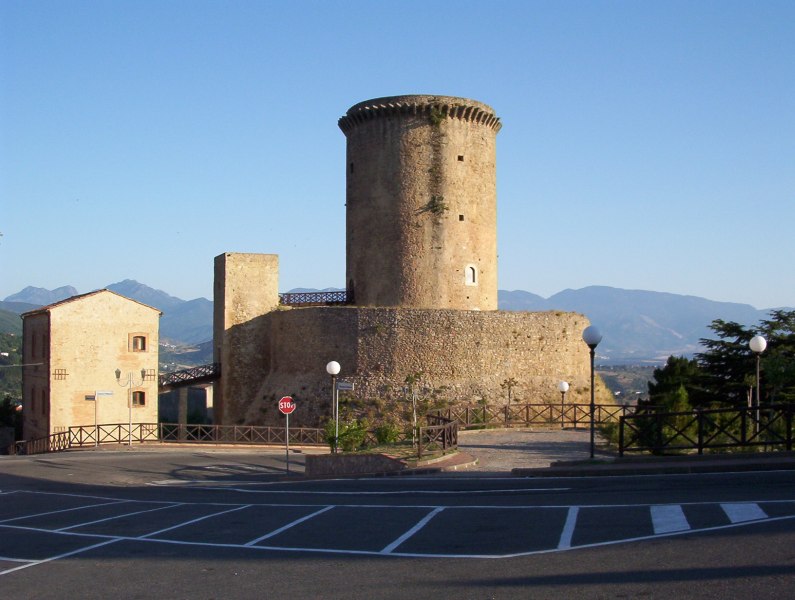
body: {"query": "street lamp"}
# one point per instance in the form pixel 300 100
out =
pixel 333 369
pixel 563 387
pixel 591 336
pixel 129 384
pixel 757 345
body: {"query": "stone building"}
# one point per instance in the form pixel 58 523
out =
pixel 421 279
pixel 72 350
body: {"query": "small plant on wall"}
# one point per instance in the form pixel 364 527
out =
pixel 508 386
pixel 436 205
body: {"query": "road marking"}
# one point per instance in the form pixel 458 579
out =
pixel 740 513
pixel 223 512
pixel 288 526
pixel 138 512
pixel 668 518
pixel 386 492
pixel 55 512
pixel 422 523
pixel 568 528
pixel 60 556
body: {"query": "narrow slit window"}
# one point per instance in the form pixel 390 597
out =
pixel 471 275
pixel 460 217
pixel 460 158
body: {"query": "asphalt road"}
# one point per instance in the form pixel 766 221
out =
pixel 187 524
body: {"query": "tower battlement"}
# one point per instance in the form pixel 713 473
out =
pixel 434 107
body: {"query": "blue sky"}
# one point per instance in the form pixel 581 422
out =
pixel 645 145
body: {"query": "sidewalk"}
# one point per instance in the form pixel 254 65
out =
pixel 566 453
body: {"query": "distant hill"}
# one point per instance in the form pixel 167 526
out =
pixel 637 326
pixel 42 297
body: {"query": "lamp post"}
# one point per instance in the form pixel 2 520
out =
pixel 591 336
pixel 129 383
pixel 757 345
pixel 333 369
pixel 563 387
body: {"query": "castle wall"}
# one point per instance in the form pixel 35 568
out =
pixel 421 199
pixel 464 356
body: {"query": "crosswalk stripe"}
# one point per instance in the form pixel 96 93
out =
pixel 668 518
pixel 739 513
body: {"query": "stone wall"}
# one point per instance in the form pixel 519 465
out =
pixel 464 356
pixel 245 287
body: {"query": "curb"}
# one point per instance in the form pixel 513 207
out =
pixel 674 465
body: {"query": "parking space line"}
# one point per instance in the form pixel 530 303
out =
pixel 739 513
pixel 177 526
pixel 64 510
pixel 137 512
pixel 568 528
pixel 60 556
pixel 668 518
pixel 288 526
pixel 422 523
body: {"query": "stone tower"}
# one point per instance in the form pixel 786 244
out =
pixel 421 203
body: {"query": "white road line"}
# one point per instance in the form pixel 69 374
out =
pixel 423 522
pixel 64 510
pixel 739 513
pixel 386 493
pixel 568 528
pixel 177 526
pixel 288 526
pixel 668 518
pixel 138 512
pixel 64 555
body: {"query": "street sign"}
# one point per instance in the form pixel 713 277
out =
pixel 286 405
pixel 90 397
pixel 345 386
pixel 103 393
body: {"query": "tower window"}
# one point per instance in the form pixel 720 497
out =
pixel 351 167
pixel 139 398
pixel 460 158
pixel 460 217
pixel 471 275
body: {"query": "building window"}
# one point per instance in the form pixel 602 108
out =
pixel 471 275
pixel 460 158
pixel 59 374
pixel 150 375
pixel 137 342
pixel 460 217
pixel 139 398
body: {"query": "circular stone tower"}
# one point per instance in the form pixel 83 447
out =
pixel 421 203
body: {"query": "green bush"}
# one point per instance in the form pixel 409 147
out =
pixel 387 433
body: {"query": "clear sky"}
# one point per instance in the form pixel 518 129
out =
pixel 645 145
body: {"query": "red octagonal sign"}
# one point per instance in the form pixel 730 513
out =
pixel 286 405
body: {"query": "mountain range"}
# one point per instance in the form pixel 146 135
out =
pixel 637 326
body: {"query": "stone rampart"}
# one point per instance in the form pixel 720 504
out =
pixel 464 356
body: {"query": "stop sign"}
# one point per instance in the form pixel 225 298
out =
pixel 286 405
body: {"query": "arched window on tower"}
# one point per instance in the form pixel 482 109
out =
pixel 471 275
